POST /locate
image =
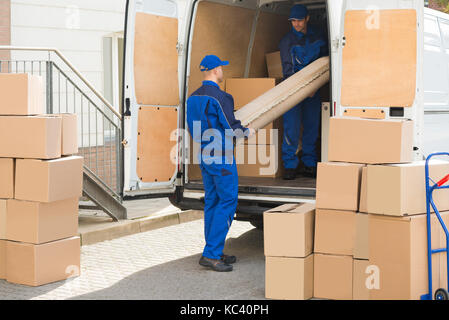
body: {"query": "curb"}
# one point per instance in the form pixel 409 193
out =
pixel 128 227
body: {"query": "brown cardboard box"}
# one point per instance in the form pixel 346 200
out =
pixel 6 178
pixel 332 277
pixel 40 222
pixel 69 134
pixel 361 245
pixel 3 259
pixel 363 191
pixel 334 232
pixel 49 180
pixel 22 94
pixel 274 65
pixel 288 230
pixel 370 141
pixel 3 207
pixel 398 248
pixel 289 278
pixel 250 163
pixel 360 290
pixel 36 137
pixel 400 189
pixel 338 185
pixel 245 90
pixel 39 264
pixel 442 256
pixel 256 160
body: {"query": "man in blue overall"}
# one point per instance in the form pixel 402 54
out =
pixel 300 47
pixel 211 122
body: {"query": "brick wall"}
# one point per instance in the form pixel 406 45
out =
pixel 5 27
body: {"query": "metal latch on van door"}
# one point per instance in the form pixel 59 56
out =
pixel 180 48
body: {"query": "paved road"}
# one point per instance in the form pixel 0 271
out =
pixel 159 264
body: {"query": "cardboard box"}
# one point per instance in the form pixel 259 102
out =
pixel 361 244
pixel 271 134
pixel 442 256
pixel 338 185
pixel 40 222
pixel 400 189
pixel 49 180
pixel 332 277
pixel 360 289
pixel 39 264
pixel 274 65
pixel 245 90
pixel 334 232
pixel 3 207
pixel 255 160
pixel 363 191
pixel 69 134
pixel 288 230
pixel 35 137
pixel 370 141
pixel 3 259
pixel 398 249
pixel 22 94
pixel 289 278
pixel 6 178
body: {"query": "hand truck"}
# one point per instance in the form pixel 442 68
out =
pixel 441 293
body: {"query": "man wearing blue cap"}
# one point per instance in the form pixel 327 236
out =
pixel 300 47
pixel 211 122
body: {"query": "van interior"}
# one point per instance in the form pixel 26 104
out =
pixel 243 35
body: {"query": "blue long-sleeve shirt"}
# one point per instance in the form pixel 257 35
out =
pixel 299 50
pixel 211 108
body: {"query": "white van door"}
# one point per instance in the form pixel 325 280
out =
pixel 380 60
pixel 152 97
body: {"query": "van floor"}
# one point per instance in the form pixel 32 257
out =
pixel 263 185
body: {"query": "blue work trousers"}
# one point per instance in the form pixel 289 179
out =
pixel 307 114
pixel 220 203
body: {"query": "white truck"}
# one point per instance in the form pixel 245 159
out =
pixel 388 59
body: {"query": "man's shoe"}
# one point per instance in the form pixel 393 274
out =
pixel 289 174
pixel 309 172
pixel 228 259
pixel 216 265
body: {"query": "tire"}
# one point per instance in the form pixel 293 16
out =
pixel 441 294
pixel 257 223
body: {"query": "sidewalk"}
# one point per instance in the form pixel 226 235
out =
pixel 159 264
pixel 143 215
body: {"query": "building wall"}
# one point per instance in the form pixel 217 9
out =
pixel 5 27
pixel 75 27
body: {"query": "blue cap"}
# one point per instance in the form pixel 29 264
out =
pixel 211 62
pixel 298 12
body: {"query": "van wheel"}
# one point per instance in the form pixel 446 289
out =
pixel 441 294
pixel 257 223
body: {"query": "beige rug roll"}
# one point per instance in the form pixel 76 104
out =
pixel 272 104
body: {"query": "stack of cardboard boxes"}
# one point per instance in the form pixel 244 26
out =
pixel 288 247
pixel 40 184
pixel 370 239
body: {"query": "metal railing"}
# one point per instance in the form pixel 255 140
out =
pixel 99 123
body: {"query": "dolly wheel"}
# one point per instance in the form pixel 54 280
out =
pixel 441 294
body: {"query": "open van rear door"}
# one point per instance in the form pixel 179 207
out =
pixel 380 55
pixel 379 73
pixel 152 97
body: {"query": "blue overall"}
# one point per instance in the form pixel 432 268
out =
pixel 297 51
pixel 210 108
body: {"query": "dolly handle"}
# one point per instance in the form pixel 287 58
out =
pixel 443 181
